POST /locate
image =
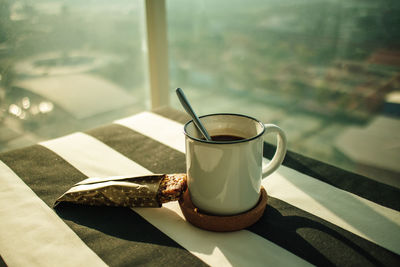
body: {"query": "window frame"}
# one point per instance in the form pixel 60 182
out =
pixel 157 53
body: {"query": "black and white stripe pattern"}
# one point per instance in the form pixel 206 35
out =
pixel 311 218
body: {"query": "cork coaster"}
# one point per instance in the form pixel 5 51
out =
pixel 222 223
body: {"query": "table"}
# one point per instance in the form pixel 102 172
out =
pixel 316 215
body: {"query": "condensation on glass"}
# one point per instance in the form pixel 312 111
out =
pixel 326 71
pixel 67 66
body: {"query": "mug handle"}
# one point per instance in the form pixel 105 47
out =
pixel 280 149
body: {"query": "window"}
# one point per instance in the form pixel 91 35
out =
pixel 67 66
pixel 326 71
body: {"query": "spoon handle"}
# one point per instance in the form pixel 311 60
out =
pixel 188 108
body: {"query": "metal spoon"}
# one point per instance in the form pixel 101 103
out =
pixel 189 110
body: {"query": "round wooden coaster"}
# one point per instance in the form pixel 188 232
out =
pixel 222 223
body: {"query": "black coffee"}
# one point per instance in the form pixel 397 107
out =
pixel 226 138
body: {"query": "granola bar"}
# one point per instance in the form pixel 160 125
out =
pixel 171 187
pixel 124 191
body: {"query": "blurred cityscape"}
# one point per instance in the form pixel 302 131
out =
pixel 326 71
pixel 67 66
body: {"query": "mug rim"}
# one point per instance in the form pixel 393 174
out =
pixel 225 142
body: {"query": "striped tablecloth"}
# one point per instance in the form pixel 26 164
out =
pixel 316 214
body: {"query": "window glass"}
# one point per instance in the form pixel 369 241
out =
pixel 326 71
pixel 67 66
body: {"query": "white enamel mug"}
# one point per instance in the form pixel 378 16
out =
pixel 224 177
